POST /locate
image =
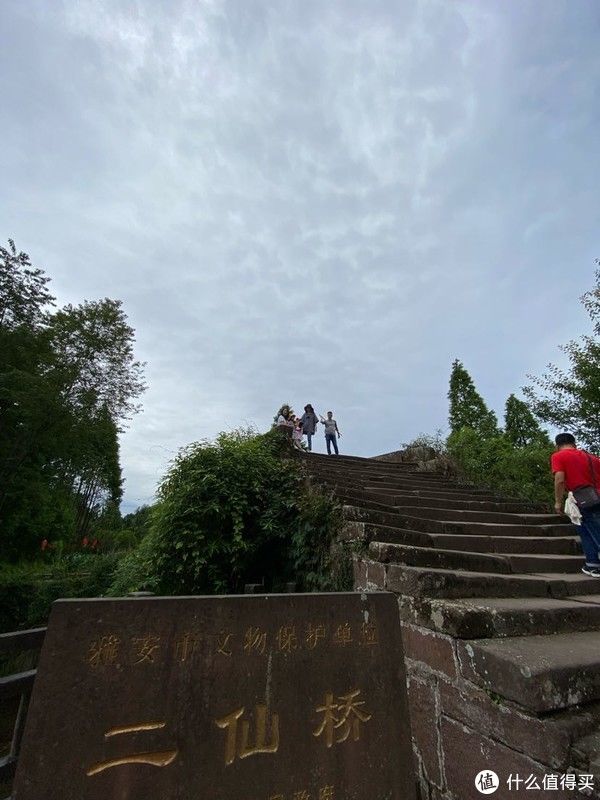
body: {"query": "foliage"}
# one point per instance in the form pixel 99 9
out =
pixel 497 463
pixel 136 570
pixel 68 380
pixel 436 442
pixel 28 589
pixel 513 461
pixel 92 348
pixel 23 293
pixel 467 407
pixel 319 566
pixel 570 398
pixel 238 510
pixel 520 426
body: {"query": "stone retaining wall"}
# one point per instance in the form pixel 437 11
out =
pixel 458 729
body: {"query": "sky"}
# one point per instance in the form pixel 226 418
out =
pixel 302 201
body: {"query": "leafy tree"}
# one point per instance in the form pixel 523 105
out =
pixel 23 293
pixel 570 398
pixel 520 426
pixel 137 521
pixel 68 380
pixel 92 346
pixel 467 407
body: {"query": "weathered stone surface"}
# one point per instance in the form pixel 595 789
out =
pixel 228 698
pixel 369 575
pixel 486 617
pixel 424 718
pixel 359 569
pixel 437 558
pixel 433 649
pixel 587 598
pixel 466 753
pixel 481 515
pixel 475 565
pixel 566 545
pixel 352 531
pixel 541 673
pixel 547 563
pixel 431 582
pixel 546 741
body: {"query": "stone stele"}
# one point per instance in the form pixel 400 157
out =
pixel 264 697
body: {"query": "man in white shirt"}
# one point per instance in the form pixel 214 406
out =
pixel 331 429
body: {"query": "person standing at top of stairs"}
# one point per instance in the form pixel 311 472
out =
pixel 574 469
pixel 309 422
pixel 331 429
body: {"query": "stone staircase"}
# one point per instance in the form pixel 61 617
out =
pixel 493 605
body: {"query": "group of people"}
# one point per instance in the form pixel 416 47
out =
pixel 307 425
pixel 576 475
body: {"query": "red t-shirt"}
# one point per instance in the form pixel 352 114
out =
pixel 576 466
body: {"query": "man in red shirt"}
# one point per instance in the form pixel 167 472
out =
pixel 572 469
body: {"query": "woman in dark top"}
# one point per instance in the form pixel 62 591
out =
pixel 309 422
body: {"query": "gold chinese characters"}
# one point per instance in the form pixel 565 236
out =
pixel 342 716
pixel 148 648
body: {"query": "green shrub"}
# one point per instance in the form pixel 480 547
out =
pixel 235 511
pixel 497 463
pixel 318 563
pixel 28 590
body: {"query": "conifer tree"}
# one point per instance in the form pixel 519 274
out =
pixel 520 426
pixel 467 407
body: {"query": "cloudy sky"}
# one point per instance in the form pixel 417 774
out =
pixel 319 202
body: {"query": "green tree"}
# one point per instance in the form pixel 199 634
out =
pixel 569 398
pixel 520 426
pixel 467 407
pixel 93 361
pixel 68 380
pixel 24 296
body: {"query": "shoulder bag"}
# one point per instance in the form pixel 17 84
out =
pixel 587 497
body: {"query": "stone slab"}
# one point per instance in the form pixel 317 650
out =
pixel 491 617
pixel 587 598
pixel 277 697
pixel 546 741
pixel 467 753
pixel 541 673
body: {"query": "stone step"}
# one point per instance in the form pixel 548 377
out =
pixel 491 617
pixel 501 529
pixel 375 477
pixel 515 563
pixel 557 545
pixel 432 582
pixel 359 461
pixel 541 673
pixel 408 499
pixel 392 496
pixel 469 515
pixel 410 482
pixel 398 520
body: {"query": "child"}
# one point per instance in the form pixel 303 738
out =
pixel 298 433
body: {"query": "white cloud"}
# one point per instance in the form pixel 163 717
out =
pixel 313 202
